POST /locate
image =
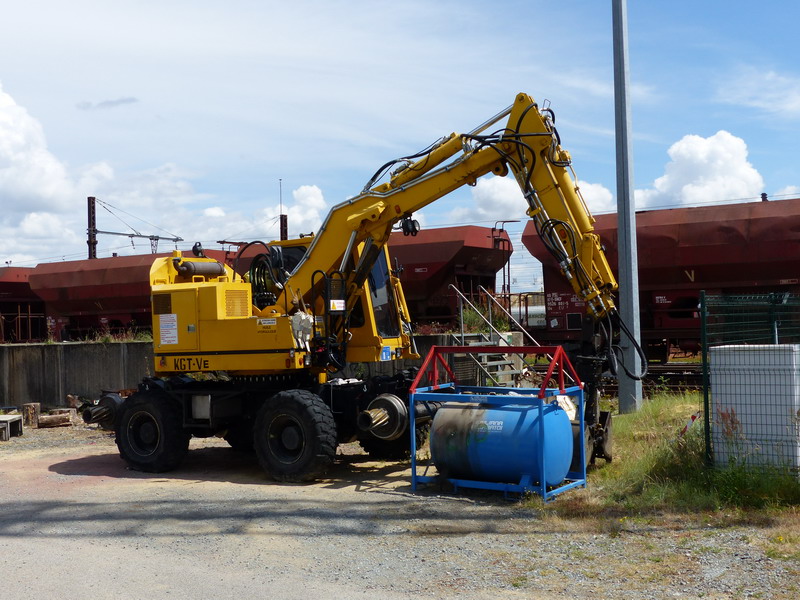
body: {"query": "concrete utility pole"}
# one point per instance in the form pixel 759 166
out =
pixel 630 390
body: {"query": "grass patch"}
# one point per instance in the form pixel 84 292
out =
pixel 655 470
pixel 477 322
pixel 126 335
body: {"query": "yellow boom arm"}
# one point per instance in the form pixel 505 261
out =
pixel 529 146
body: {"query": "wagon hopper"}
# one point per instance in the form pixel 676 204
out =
pixel 22 316
pixel 466 257
pixel 748 248
pixel 101 294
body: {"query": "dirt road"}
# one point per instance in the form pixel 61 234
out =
pixel 75 523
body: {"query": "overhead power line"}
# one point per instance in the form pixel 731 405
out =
pixel 93 231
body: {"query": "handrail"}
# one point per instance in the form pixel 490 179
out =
pixel 475 308
pixel 475 360
pixel 483 290
pixel 508 314
pixel 489 323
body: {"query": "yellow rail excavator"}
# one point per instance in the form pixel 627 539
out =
pixel 251 356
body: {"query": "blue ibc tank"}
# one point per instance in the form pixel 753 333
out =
pixel 484 442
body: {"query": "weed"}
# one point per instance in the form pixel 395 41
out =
pixel 124 335
pixel 477 322
pixel 783 545
pixel 655 558
pixel 655 469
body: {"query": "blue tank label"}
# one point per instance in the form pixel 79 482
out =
pixel 482 429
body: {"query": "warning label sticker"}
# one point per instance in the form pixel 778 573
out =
pixel 168 328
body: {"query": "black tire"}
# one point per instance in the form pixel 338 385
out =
pixel 150 434
pixel 588 446
pixel 295 436
pixel 398 449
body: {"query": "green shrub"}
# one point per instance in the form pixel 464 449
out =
pixel 657 468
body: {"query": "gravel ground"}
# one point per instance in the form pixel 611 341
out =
pixel 75 522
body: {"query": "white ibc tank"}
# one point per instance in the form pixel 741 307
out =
pixel 755 404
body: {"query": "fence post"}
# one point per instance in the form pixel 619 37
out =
pixel 706 378
pixel 773 316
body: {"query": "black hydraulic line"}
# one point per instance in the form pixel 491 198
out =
pixel 378 175
pixel 614 351
pixel 240 253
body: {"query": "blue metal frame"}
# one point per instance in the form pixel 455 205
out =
pixel 500 396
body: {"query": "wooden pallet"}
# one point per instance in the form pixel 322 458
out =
pixel 10 426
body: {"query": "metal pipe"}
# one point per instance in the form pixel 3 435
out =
pixel 425 411
pixel 508 314
pixel 475 308
pixel 348 250
pixel 492 121
pixel 190 268
pixel 104 413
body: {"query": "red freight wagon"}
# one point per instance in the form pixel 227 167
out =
pixel 466 256
pixel 747 248
pixel 21 311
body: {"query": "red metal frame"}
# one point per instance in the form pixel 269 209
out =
pixel 559 361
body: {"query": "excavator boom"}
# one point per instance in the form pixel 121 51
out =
pixel 528 145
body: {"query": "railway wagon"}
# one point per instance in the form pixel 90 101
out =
pixel 81 297
pixel 22 314
pixel 71 300
pixel 465 256
pixel 748 248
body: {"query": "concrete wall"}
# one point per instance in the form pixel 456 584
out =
pixel 46 373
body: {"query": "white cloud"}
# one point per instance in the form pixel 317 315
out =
pixel 309 197
pixel 40 226
pixel 495 199
pixel 304 215
pixel 161 188
pixel 598 197
pixel 790 191
pixel 499 198
pixel 44 202
pixel 216 212
pixel 31 178
pixel 703 170
pixel 92 178
pixel 766 90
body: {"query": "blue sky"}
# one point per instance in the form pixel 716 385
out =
pixel 185 115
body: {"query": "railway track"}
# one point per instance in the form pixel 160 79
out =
pixel 671 377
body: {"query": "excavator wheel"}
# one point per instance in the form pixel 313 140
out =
pixel 295 436
pixel 150 434
pixel 398 449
